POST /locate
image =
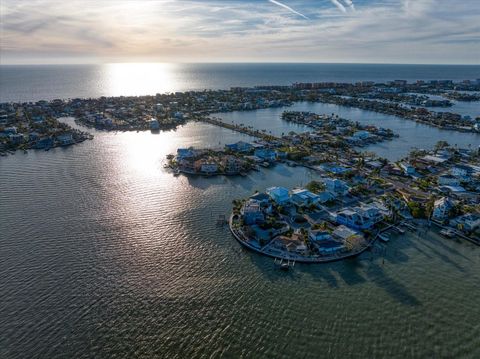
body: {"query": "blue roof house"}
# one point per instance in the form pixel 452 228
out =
pixel 303 197
pixel 278 194
pixel 240 146
pixel 266 154
pixel 185 153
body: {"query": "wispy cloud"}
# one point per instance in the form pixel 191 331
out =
pixel 339 5
pixel 414 31
pixel 350 4
pixel 289 9
pixel 342 5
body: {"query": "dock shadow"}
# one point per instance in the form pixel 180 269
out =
pixel 395 289
pixel 350 271
pixel 444 257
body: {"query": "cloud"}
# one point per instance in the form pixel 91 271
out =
pixel 339 5
pixel 343 4
pixel 420 31
pixel 288 8
pixel 350 4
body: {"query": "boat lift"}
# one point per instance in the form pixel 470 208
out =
pixel 284 264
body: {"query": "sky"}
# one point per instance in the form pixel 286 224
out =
pixel 351 31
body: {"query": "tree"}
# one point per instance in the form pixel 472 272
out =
pixel 315 187
pixel 416 209
pixel 440 145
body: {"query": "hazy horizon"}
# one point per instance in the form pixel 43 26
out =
pixel 233 62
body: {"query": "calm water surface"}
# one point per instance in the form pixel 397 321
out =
pixel 411 134
pixel 106 254
pixel 47 82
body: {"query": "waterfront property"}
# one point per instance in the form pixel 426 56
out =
pixel 209 162
pixel 169 111
pixel 279 195
pixel 293 225
pixel 442 208
pixel 364 217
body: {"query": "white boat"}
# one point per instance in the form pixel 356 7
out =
pixel 384 237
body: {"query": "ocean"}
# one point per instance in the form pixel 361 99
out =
pixel 104 253
pixel 47 82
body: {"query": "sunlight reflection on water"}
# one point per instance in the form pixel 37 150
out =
pixel 140 78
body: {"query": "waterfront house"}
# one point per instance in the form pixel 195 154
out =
pixel 336 186
pixel 359 217
pixel 303 197
pixel 10 130
pixel 16 138
pixel 361 135
pixel 329 246
pixel 44 143
pixel 373 164
pixel 186 164
pixel 179 115
pixel 3 118
pixel 370 212
pixel 291 244
pixel 351 218
pixel 208 167
pixel 65 139
pixel 278 194
pixel 185 153
pixel 448 180
pixel 240 146
pixel 254 159
pixel 154 125
pixel 261 198
pixel 318 235
pixel 343 233
pixel 325 196
pixel 468 222
pixel 335 169
pixel 232 165
pixel 442 208
pixel 266 154
pixel 33 136
pixel 252 212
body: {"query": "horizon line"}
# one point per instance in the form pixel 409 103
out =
pixel 237 63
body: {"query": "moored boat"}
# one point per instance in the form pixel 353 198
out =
pixel 384 237
pixel 449 233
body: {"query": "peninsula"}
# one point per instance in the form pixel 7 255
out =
pixel 345 212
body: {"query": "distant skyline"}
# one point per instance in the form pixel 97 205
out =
pixel 352 31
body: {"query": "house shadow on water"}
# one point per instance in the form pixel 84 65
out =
pixel 392 287
pixel 352 271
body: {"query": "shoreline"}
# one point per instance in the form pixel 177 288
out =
pixel 299 259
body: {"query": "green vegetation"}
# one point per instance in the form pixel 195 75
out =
pixel 416 209
pixel 315 187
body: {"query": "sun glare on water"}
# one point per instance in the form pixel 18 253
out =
pixel 140 78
